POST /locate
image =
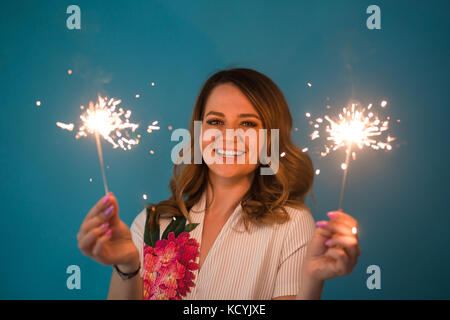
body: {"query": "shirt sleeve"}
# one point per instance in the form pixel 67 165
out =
pixel 300 231
pixel 137 233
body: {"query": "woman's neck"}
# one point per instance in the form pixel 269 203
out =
pixel 228 192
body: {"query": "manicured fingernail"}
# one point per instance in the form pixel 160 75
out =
pixel 106 199
pixel 328 242
pixel 332 214
pixel 321 224
pixel 105 225
pixel 109 210
pixel 108 233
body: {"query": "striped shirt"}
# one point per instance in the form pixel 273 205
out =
pixel 263 264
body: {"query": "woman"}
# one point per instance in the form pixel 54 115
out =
pixel 227 231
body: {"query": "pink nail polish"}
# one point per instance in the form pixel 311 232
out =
pixel 108 233
pixel 332 214
pixel 321 224
pixel 328 242
pixel 105 225
pixel 106 199
pixel 109 210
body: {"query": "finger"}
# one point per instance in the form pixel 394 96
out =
pixel 344 241
pixel 341 259
pixel 322 229
pixel 333 226
pixel 343 217
pixel 112 211
pixel 317 242
pixel 348 243
pixel 88 225
pixel 101 204
pixel 105 215
pixel 85 244
pixel 336 226
pixel 99 244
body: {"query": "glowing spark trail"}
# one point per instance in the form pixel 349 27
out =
pixel 153 126
pixel 65 126
pixel 102 119
pixel 353 128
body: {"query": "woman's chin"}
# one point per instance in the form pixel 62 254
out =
pixel 229 171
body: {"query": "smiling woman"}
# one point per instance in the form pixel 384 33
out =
pixel 225 102
pixel 264 259
pixel 227 231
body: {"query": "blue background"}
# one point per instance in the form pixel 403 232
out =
pixel 398 197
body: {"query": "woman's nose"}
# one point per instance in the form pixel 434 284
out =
pixel 231 139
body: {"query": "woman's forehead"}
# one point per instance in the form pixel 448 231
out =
pixel 229 100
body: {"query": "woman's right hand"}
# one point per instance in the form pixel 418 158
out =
pixel 107 239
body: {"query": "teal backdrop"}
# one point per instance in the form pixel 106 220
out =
pixel 398 197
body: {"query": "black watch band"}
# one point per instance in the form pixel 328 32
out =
pixel 127 276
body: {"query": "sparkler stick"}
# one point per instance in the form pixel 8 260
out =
pixel 99 150
pixel 102 119
pixel 353 126
pixel 105 120
pixel 347 159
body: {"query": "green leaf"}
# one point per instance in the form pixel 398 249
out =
pixel 150 238
pixel 179 228
pixel 173 226
pixel 176 226
pixel 190 227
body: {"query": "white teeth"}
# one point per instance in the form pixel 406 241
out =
pixel 229 153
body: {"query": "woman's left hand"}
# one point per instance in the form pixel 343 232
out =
pixel 333 250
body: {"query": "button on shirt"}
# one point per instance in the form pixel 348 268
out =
pixel 263 264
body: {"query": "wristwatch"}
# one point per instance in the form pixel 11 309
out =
pixel 126 276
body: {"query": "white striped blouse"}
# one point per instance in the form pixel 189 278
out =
pixel 263 264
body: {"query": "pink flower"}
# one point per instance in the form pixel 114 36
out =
pixel 156 291
pixel 166 251
pixel 168 267
pixel 170 274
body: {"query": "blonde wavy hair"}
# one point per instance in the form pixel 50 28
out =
pixel 265 200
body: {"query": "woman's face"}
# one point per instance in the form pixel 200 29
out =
pixel 228 108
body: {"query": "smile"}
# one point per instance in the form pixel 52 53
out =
pixel 229 153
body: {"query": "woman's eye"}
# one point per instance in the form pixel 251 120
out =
pixel 249 124
pixel 214 122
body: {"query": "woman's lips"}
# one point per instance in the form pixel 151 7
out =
pixel 229 154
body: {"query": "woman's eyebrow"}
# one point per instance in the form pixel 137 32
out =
pixel 220 114
pixel 241 115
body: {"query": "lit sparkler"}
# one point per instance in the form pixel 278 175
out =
pixel 353 128
pixel 102 119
